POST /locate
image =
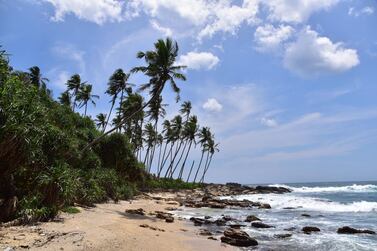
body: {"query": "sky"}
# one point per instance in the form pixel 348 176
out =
pixel 289 87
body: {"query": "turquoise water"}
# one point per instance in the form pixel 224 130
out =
pixel 331 205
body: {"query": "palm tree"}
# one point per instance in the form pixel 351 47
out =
pixel 176 127
pixel 85 95
pixel 186 109
pixel 212 148
pixel 101 120
pixel 160 69
pixel 36 77
pixel 204 137
pixel 74 85
pixel 65 99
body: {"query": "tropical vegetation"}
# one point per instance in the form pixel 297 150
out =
pixel 53 154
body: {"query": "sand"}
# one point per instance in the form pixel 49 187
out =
pixel 108 227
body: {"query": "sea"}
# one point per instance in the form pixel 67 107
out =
pixel 330 205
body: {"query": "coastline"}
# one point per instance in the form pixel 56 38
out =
pixel 108 227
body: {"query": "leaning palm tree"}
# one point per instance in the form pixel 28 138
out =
pixel 186 109
pixel 74 85
pixel 212 148
pixel 85 95
pixel 101 120
pixel 36 77
pixel 204 137
pixel 161 69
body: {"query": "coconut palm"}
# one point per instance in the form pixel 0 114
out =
pixel 74 85
pixel 212 148
pixel 65 99
pixel 85 95
pixel 204 137
pixel 161 69
pixel 186 109
pixel 36 77
pixel 101 120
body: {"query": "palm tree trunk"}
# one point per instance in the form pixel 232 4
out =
pixel 86 106
pixel 192 165
pixel 167 156
pixel 200 163
pixel 160 163
pixel 180 158
pixel 206 169
pixel 108 117
pixel 172 161
pixel 184 161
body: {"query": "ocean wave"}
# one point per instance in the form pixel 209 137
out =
pixel 279 201
pixel 369 188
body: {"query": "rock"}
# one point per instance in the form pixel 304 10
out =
pixel 290 229
pixel 282 236
pixel 205 232
pixel 197 221
pixel 207 217
pixel 305 215
pixel 163 215
pixel 308 230
pixel 265 206
pixel 251 218
pixel 171 209
pixel 169 219
pixel 268 189
pixel 350 230
pixel 144 225
pixel 260 225
pixel 289 208
pixel 138 211
pixel 212 238
pixel 236 226
pixel 238 238
pixel 220 222
pixel 228 218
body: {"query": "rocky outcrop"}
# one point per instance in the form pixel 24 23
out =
pixel 350 230
pixel 236 189
pixel 282 236
pixel 238 238
pixel 260 225
pixel 138 211
pixel 309 229
pixel 251 218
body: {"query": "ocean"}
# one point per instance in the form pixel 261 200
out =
pixel 330 205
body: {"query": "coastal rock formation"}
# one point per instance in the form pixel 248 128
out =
pixel 282 236
pixel 238 238
pixel 260 225
pixel 350 230
pixel 309 229
pixel 251 218
pixel 236 189
pixel 138 211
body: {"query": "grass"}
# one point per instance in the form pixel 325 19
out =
pixel 71 210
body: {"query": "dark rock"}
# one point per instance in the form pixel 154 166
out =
pixel 228 218
pixel 220 222
pixel 265 206
pixel 305 215
pixel 260 225
pixel 197 221
pixel 251 218
pixel 138 211
pixel 207 217
pixel 282 236
pixel 236 226
pixel 268 189
pixel 205 232
pixel 290 229
pixel 238 238
pixel 308 230
pixel 350 230
pixel 163 215
pixel 289 208
pixel 212 238
pixel 169 219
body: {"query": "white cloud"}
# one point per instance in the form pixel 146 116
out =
pixel 97 11
pixel 212 105
pixel 268 37
pixel 313 55
pixel 167 32
pixel 269 122
pixel 368 10
pixel 70 52
pixel 198 60
pixel 296 11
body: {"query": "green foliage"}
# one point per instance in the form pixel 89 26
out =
pixel 71 210
pixel 167 183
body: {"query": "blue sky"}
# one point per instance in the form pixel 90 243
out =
pixel 288 87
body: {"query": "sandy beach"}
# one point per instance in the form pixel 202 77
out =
pixel 108 227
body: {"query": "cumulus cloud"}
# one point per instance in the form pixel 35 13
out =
pixel 268 37
pixel 269 122
pixel 367 10
pixel 164 30
pixel 199 60
pixel 212 105
pixel 97 11
pixel 313 55
pixel 296 11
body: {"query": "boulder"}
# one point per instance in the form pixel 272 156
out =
pixel 212 238
pixel 238 238
pixel 228 218
pixel 282 236
pixel 205 232
pixel 236 226
pixel 350 230
pixel 260 225
pixel 169 219
pixel 138 211
pixel 309 229
pixel 305 215
pixel 251 218
pixel 265 206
